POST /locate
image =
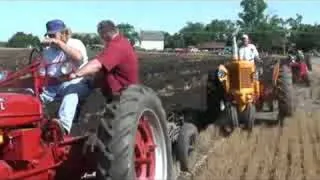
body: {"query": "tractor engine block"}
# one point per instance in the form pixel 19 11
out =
pixel 21 144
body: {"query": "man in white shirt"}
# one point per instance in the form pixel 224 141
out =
pixel 64 48
pixel 248 51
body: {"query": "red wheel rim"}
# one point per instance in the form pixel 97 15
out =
pixel 145 159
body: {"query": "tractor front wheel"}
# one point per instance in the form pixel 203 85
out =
pixel 248 116
pixel 132 138
pixel 232 121
pixel 186 142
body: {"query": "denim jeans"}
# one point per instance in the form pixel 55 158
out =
pixel 70 92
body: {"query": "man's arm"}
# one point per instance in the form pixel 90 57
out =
pixel 91 67
pixel 109 58
pixel 255 51
pixel 75 51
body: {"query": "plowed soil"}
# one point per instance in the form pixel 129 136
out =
pixel 273 152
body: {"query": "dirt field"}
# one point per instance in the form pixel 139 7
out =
pixel 270 152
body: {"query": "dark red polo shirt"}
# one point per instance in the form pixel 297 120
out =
pixel 120 64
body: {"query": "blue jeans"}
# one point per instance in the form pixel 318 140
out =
pixel 70 93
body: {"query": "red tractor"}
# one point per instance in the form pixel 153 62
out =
pixel 134 138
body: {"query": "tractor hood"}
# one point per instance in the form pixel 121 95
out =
pixel 19 109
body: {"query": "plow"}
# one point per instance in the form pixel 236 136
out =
pixel 134 139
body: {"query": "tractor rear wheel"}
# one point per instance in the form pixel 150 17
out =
pixel 285 92
pixel 186 142
pixel 132 138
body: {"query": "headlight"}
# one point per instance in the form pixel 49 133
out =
pixel 221 74
pixel 3 75
pixel 66 68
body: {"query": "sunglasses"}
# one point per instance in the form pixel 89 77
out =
pixel 51 35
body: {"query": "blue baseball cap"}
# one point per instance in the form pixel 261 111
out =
pixel 55 26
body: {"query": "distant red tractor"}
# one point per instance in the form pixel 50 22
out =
pixel 134 138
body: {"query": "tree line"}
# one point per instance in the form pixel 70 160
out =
pixel 268 31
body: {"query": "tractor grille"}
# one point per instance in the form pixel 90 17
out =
pixel 234 78
pixel 245 78
pixel 240 78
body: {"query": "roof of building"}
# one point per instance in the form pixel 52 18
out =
pixel 151 36
pixel 211 45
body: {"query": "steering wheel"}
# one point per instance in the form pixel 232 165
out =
pixel 34 54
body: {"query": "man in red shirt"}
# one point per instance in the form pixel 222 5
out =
pixel 118 60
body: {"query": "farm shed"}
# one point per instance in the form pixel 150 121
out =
pixel 152 40
pixel 212 46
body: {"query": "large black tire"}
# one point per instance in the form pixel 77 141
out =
pixel 232 119
pixel 119 129
pixel 248 116
pixel 285 92
pixel 214 94
pixel 186 142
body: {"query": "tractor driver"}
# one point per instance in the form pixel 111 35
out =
pixel 250 53
pixel 61 47
pixel 117 62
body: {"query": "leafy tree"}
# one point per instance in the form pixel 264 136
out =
pixel 87 39
pixel 129 31
pixel 219 30
pixel 193 34
pixel 252 14
pixel 307 37
pixel 23 40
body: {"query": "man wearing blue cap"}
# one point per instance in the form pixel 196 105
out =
pixel 61 47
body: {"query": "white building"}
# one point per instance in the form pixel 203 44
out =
pixel 152 40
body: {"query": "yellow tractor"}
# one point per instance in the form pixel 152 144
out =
pixel 238 89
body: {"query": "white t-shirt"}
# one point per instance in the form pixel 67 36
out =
pixel 248 52
pixel 55 55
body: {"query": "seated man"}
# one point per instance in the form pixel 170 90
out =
pixel 118 61
pixel 64 48
pixel 250 53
